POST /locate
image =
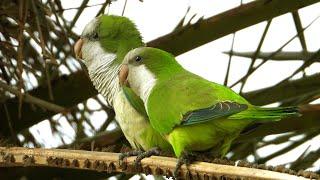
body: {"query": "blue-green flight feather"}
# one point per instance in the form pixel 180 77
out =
pixel 218 110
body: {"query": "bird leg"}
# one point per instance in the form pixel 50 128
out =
pixel 140 155
pixel 124 155
pixel 186 158
pixel 151 152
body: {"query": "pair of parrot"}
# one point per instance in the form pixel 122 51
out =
pixel 157 102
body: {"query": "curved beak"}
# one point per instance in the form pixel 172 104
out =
pixel 123 74
pixel 77 48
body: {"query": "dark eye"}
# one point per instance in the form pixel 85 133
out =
pixel 138 58
pixel 95 36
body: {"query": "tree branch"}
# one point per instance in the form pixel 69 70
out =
pixel 310 119
pixel 281 56
pixel 284 91
pixel 108 162
pixel 77 86
pixel 100 140
pixel 33 100
pixel 207 30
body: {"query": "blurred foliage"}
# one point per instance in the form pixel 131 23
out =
pixel 41 81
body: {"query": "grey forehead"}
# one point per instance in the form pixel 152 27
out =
pixel 133 53
pixel 90 28
pixel 138 50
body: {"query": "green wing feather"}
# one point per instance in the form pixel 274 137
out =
pixel 135 101
pixel 219 110
pixel 171 101
pixel 267 114
pixel 187 99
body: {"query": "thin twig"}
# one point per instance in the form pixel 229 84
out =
pixel 229 61
pixel 45 53
pixel 34 100
pixel 298 25
pixel 124 7
pixel 3 71
pixel 230 56
pixel 102 139
pixel 79 12
pixel 42 43
pixel 103 7
pixel 307 160
pixel 274 53
pixel 254 58
pixel 75 8
pixel 281 56
pixel 288 148
pixel 306 63
pixel 13 133
pixel 22 20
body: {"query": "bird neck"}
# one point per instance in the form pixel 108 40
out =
pixel 141 81
pixel 169 71
pixel 105 77
pixel 104 65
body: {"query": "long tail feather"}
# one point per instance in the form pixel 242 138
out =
pixel 267 114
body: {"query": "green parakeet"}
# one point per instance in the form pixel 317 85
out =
pixel 103 44
pixel 192 113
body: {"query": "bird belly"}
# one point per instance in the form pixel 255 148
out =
pixel 215 136
pixel 136 127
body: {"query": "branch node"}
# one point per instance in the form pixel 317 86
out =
pixel 9 158
pixel 65 163
pixel 168 173
pixel 147 170
pixel 75 163
pixel 206 177
pixel 99 165
pixel 28 160
pixel 111 167
pixel 158 171
pixel 87 163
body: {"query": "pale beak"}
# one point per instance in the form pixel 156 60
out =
pixel 123 74
pixel 77 48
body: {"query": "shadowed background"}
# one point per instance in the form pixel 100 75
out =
pixel 266 50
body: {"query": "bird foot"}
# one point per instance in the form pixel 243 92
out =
pixel 148 153
pixel 186 158
pixel 140 156
pixel 123 156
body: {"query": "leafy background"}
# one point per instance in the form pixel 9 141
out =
pixel 47 100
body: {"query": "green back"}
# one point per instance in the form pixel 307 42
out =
pixel 173 98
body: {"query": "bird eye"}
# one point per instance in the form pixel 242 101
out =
pixel 138 58
pixel 95 36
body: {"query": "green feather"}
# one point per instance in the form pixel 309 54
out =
pixel 219 110
pixel 185 92
pixel 261 114
pixel 135 101
pixel 192 112
pixel 118 35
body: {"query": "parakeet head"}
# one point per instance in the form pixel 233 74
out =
pixel 143 67
pixel 102 46
pixel 107 34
